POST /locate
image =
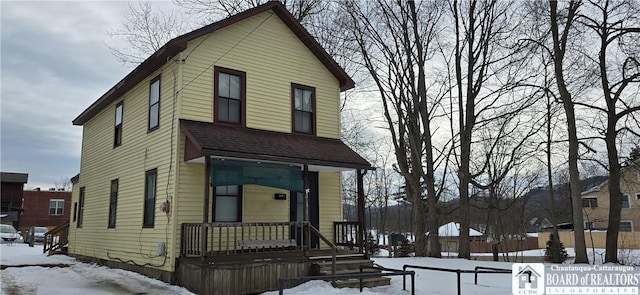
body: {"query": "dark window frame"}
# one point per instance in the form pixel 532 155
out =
pixel 239 200
pixel 313 111
pixel 117 132
pixel 80 207
pixel 56 207
pixel 217 98
pixel 590 202
pixel 113 203
pixel 75 211
pixel 149 206
pixel 151 105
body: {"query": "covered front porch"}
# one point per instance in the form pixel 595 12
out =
pixel 290 182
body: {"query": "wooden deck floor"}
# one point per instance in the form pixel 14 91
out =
pixel 248 273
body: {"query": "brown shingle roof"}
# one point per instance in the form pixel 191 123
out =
pixel 222 140
pixel 178 44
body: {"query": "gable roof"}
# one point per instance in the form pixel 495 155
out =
pixel 633 166
pixel 178 44
pixel 224 140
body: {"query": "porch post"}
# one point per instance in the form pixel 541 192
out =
pixel 361 215
pixel 205 211
pixel 305 210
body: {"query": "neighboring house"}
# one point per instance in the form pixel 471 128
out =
pixel 12 187
pixel 197 161
pixel 595 202
pixel 449 236
pixel 45 208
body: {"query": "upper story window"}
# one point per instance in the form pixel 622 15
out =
pixel 154 104
pixel 590 202
pixel 626 204
pixel 56 207
pixel 229 96
pixel 303 108
pixel 117 134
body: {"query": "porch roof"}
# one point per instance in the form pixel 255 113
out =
pixel 223 140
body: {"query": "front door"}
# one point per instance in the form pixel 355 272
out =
pixel 296 202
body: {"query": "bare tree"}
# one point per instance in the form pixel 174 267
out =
pixel 616 25
pixel 396 41
pixel 486 65
pixel 561 24
pixel 64 183
pixel 144 31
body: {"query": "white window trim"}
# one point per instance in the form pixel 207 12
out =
pixel 56 200
pixel 628 200
pixel 637 196
pixel 593 223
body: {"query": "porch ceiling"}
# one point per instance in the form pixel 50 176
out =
pixel 222 140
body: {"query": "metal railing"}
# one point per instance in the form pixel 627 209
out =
pixel 476 271
pixel 361 276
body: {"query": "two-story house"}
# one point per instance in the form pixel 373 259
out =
pixel 595 202
pixel 216 163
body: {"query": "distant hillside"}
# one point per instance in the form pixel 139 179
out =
pixel 529 211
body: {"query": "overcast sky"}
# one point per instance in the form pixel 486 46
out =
pixel 54 64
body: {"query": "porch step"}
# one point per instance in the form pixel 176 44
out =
pixel 350 266
pixel 339 256
pixel 366 282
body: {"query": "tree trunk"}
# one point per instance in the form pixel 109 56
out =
pixel 559 46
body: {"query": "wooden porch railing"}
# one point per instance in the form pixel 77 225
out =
pixel 56 238
pixel 205 239
pixel 345 233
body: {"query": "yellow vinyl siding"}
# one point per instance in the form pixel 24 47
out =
pixel 259 204
pixel 140 151
pixel 330 203
pixel 272 58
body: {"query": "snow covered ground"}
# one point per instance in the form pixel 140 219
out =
pixel 64 275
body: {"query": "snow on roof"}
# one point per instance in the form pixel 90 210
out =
pixel 452 229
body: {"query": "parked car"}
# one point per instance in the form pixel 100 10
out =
pixel 8 234
pixel 38 237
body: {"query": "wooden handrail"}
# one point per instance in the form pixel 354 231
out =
pixel 334 252
pixel 62 232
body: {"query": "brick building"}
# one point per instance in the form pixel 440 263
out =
pixel 45 208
